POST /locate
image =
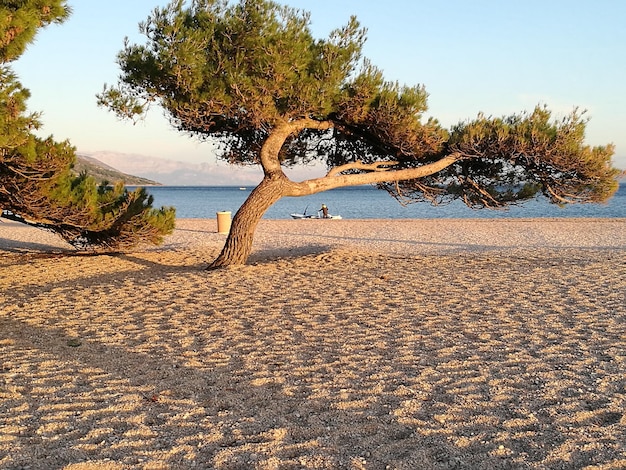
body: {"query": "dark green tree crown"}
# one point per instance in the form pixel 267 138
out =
pixel 37 184
pixel 236 71
pixel 21 19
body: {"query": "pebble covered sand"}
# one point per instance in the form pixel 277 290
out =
pixel 342 344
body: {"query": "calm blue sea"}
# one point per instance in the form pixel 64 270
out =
pixel 364 202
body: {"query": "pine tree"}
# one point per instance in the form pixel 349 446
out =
pixel 37 185
pixel 250 76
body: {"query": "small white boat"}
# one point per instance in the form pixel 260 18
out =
pixel 312 216
pixel 305 216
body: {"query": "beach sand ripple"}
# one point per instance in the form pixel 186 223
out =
pixel 363 345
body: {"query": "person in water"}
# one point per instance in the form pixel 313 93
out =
pixel 324 210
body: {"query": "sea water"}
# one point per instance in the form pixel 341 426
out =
pixel 365 202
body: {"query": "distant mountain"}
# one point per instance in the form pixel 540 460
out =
pixel 176 173
pixel 103 172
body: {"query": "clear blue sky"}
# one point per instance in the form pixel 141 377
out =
pixel 494 56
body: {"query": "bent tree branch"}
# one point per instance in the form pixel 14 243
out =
pixel 359 165
pixel 378 173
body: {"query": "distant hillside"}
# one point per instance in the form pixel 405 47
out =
pixel 181 173
pixel 211 172
pixel 103 172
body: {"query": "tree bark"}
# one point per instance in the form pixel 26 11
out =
pixel 238 244
pixel 377 174
pixel 275 185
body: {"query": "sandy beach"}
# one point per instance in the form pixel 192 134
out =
pixel 347 344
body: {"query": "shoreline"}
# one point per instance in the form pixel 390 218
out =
pixel 393 235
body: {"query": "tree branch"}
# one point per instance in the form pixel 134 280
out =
pixel 562 198
pixel 359 165
pixel 278 136
pixel 325 183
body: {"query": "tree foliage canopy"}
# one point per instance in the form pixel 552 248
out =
pixel 250 75
pixel 37 185
pixel 21 19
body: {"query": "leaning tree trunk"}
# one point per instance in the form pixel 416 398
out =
pixel 238 244
pixel 275 185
